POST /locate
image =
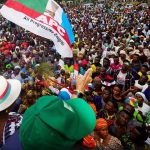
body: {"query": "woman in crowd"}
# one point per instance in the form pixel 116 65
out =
pixel 103 138
pixel 109 112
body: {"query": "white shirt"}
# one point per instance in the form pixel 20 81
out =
pixel 144 109
pixel 121 78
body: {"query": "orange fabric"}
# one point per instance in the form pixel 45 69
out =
pixel 100 123
pixel 89 142
pixel 93 107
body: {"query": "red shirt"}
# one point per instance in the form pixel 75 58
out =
pixel 24 44
pixel 115 67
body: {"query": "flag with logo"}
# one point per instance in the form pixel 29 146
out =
pixel 44 18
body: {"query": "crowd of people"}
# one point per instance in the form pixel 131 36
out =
pixel 111 40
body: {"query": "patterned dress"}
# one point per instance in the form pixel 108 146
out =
pixel 114 144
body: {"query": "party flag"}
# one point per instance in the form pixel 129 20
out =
pixel 44 18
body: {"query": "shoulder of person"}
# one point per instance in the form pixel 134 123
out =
pixel 13 142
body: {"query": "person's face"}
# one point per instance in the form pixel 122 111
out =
pixel 105 95
pixel 141 38
pixel 17 71
pixel 23 75
pixel 62 72
pixel 143 70
pixel 123 56
pixel 135 58
pixel 139 98
pixel 68 62
pixel 106 63
pixel 103 71
pixel 22 64
pixel 116 43
pixel 56 76
pixel 27 55
pixel 109 106
pixel 30 65
pixel 129 108
pixel 103 132
pixel 125 67
pixel 131 44
pixel 123 118
pixel 116 90
pixel 116 60
pixel 97 60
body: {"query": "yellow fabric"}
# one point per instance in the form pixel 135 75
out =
pixel 140 74
pixel 76 35
pixel 93 68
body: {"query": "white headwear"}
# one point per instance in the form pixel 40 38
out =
pixel 9 92
pixel 143 96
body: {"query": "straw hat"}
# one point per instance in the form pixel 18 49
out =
pixel 9 92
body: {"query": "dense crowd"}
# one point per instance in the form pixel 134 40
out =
pixel 115 43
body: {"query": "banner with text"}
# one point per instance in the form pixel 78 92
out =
pixel 44 18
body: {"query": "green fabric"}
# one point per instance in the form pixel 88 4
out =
pixel 52 124
pixel 138 117
pixel 120 108
pixel 70 69
pixel 127 142
pixel 37 5
pixel 147 120
pixel 8 66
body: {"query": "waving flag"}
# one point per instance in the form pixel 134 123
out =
pixel 44 18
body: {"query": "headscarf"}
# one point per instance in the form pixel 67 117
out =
pixel 100 123
pixel 143 96
pixel 132 101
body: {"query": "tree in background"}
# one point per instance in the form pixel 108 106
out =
pixel 2 1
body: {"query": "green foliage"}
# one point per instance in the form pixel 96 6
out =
pixel 45 70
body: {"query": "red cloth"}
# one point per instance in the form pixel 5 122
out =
pixel 24 44
pixel 107 77
pixel 76 67
pixel 89 142
pixel 115 67
pixel 84 62
pixel 7 53
pixel 7 46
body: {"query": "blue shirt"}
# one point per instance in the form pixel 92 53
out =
pixel 147 94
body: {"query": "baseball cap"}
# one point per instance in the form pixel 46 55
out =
pixel 55 124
